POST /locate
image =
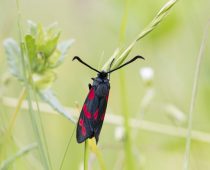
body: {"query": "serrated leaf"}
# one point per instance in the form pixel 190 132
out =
pixel 13 55
pixel 31 48
pixel 48 96
pixel 44 80
pixel 63 48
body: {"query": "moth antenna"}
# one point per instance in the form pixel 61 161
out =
pixel 79 59
pixel 132 60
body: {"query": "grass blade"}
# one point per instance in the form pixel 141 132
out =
pixel 150 27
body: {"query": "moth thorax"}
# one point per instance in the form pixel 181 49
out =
pixel 102 90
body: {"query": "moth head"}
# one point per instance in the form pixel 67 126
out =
pixel 103 75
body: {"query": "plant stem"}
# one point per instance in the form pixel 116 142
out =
pixel 93 148
pixel 194 94
pixel 86 155
pixel 127 143
pixel 27 82
pixel 15 113
pixel 117 120
pixel 66 150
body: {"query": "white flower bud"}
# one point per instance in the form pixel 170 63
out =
pixel 147 74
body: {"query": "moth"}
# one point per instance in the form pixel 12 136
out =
pixel 93 111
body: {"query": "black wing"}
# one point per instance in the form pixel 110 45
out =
pixel 100 119
pixel 92 116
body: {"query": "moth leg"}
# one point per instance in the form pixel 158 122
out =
pixel 89 86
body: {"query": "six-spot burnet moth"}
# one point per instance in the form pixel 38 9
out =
pixel 93 111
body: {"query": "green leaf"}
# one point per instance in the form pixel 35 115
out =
pixel 40 36
pixel 13 55
pixel 59 55
pixel 51 45
pixel 44 80
pixel 48 96
pixel 48 46
pixel 31 48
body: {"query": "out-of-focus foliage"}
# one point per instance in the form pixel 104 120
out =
pixel 43 52
pixel 163 99
pixel 119 58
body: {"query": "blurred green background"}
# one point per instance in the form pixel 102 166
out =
pixel 170 50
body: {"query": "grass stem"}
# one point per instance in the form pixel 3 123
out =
pixel 127 143
pixel 193 99
pixel 86 149
pixel 27 81
pixel 15 113
pixel 118 120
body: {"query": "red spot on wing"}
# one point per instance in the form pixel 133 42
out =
pixel 86 113
pixel 107 97
pixel 95 115
pixel 91 94
pixel 102 116
pixel 81 123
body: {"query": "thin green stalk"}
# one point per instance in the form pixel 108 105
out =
pixel 193 99
pixel 42 131
pixel 19 20
pixel 128 147
pixel 14 115
pixel 93 148
pixel 42 149
pixel 67 148
pixel 86 150
pixel 127 143
pixel 37 118
pixel 100 159
pixel 113 119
